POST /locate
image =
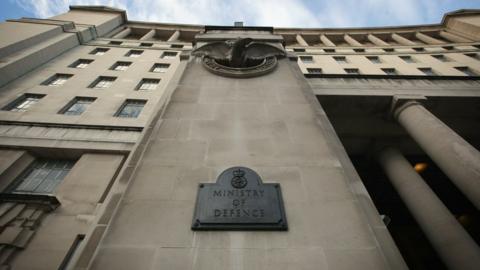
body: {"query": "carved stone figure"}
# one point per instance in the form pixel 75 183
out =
pixel 241 57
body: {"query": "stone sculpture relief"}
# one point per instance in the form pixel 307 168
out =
pixel 239 58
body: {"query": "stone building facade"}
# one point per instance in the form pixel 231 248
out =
pixel 108 126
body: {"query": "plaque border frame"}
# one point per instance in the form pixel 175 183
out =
pixel 281 225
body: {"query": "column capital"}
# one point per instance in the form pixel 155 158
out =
pixel 401 102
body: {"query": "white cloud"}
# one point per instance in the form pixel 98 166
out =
pixel 284 13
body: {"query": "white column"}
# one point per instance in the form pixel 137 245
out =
pixel 351 41
pixel 402 40
pixel 455 247
pixel 327 41
pixel 301 41
pixel 174 37
pixel 452 37
pixel 377 41
pixel 428 39
pixel 148 35
pixel 123 33
pixel 456 158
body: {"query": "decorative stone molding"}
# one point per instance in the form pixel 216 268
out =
pixel 265 66
pixel 239 58
pixel 401 102
pixel 20 216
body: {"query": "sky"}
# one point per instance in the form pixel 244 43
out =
pixel 278 13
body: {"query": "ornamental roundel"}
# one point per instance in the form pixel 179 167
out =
pixel 262 67
pixel 240 58
pixel 238 180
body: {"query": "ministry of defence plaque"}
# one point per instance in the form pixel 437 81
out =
pixel 239 201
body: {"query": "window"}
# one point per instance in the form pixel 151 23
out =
pixel 441 57
pixel 359 50
pixel 314 70
pixel 352 71
pixel 121 66
pixel 407 58
pixel 473 55
pixel 177 46
pixel 329 50
pixel 390 71
pixel 23 103
pixel 306 59
pixel 467 71
pixel 57 79
pixel 131 108
pixel 389 49
pixel 427 71
pixel 148 84
pixel 103 82
pixel 418 49
pixel 81 63
pixel 374 59
pixel 160 68
pixel 169 55
pixel 115 42
pixel 77 106
pixel 134 53
pixel 99 51
pixel 42 177
pixel 145 44
pixel 298 50
pixel 448 48
pixel 340 59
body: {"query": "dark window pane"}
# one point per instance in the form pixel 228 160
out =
pixel 131 108
pixel 42 177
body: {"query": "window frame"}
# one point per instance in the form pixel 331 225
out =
pixel 127 102
pixel 307 59
pixel 99 51
pixel 97 81
pixel 134 53
pixel 155 65
pixel 390 71
pixel 151 82
pixel 30 176
pixel 474 55
pixel 467 71
pixel 431 73
pixel 50 81
pixel 120 63
pixel 441 58
pixel 169 55
pixel 13 106
pixel 352 69
pixel 75 101
pixel 310 71
pixel 340 59
pixel 377 61
pixel 81 61
pixel 410 61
